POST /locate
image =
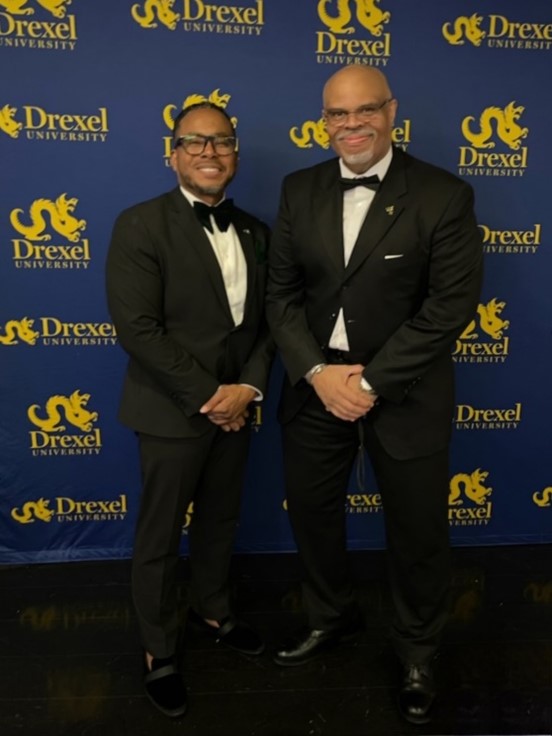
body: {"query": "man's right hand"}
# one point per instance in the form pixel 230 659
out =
pixel 342 400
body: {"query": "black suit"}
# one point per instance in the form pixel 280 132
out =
pixel 169 304
pixel 409 288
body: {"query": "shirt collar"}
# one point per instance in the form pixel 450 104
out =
pixel 379 169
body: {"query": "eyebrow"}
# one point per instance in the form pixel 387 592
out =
pixel 219 135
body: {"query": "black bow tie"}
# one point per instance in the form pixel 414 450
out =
pixel 222 213
pixel 372 182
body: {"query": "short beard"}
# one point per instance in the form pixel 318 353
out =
pixel 188 184
pixel 357 159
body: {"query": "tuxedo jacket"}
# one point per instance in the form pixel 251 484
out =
pixel 411 285
pixel 169 305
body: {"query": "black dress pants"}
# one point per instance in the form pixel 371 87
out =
pixel 319 452
pixel 209 471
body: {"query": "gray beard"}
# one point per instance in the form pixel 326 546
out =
pixel 359 158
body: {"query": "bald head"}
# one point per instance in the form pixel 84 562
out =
pixel 357 77
pixel 359 111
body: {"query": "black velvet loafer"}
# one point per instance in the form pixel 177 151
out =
pixel 164 687
pixel 230 632
pixel 417 693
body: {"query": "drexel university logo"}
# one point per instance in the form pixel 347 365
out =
pixel 496 128
pixel 345 18
pixel 498 32
pixel 35 249
pixel 21 28
pixel 473 345
pixel 53 421
pixel 470 487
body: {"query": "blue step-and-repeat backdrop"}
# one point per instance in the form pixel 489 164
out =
pixel 87 97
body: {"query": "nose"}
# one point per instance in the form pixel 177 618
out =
pixel 356 119
pixel 209 149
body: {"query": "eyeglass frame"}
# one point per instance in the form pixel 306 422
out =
pixel 212 139
pixel 360 113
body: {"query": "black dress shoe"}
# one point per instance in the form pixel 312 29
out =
pixel 417 693
pixel 231 632
pixel 311 642
pixel 164 687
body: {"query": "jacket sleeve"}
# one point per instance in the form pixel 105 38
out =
pixel 135 298
pixel 285 307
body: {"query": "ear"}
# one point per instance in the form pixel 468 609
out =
pixel 172 160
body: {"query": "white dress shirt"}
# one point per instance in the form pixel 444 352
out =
pixel 228 251
pixel 229 254
pixel 356 203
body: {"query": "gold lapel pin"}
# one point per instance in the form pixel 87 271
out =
pixel 390 210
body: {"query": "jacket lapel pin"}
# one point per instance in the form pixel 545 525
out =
pixel 390 210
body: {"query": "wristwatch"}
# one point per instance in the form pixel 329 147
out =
pixel 314 372
pixel 365 386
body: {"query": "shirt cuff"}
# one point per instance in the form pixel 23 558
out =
pixel 366 386
pixel 259 394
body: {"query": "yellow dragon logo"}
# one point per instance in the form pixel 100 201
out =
pixel 33 510
pixel 368 15
pixel 60 217
pixel 15 7
pixel 489 320
pixel 152 9
pixel 7 123
pixel 543 499
pixel 22 329
pixel 56 7
pixel 506 127
pixel 464 26
pixel 74 409
pixel 472 485
pixel 310 131
pixel 195 99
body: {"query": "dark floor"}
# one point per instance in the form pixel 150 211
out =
pixel 71 666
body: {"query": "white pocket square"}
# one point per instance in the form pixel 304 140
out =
pixel 393 255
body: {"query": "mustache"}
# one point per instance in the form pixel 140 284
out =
pixel 357 131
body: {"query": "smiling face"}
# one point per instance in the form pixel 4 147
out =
pixel 360 144
pixel 207 174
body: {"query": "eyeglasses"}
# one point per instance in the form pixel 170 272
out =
pixel 224 145
pixel 364 113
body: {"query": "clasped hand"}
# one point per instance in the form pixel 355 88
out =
pixel 338 388
pixel 227 408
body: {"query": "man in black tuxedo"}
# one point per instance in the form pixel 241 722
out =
pixel 371 279
pixel 186 277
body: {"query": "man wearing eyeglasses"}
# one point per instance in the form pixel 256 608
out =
pixel 186 284
pixel 374 270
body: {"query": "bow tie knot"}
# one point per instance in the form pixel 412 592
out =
pixel 371 182
pixel 222 213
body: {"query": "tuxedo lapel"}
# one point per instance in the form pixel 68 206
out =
pixel 247 240
pixel 328 208
pixel 384 212
pixel 187 229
